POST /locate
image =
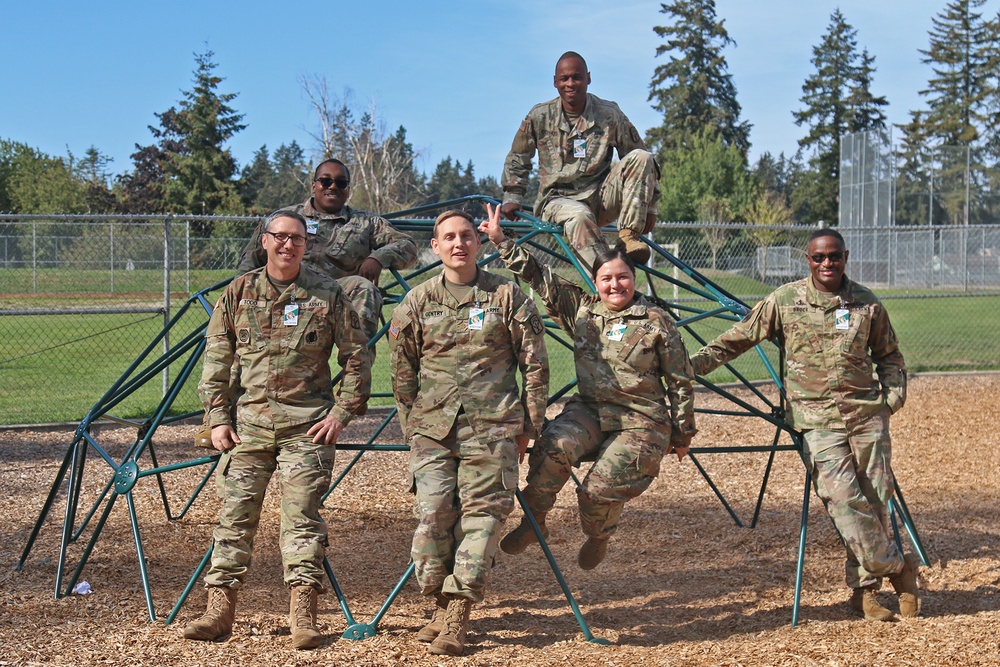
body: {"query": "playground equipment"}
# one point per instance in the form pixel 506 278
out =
pixel 702 300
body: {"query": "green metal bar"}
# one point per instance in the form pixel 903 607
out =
pixel 190 585
pixel 715 489
pixel 899 504
pixel 800 562
pixel 396 590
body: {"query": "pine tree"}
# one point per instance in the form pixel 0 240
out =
pixel 838 101
pixel 694 89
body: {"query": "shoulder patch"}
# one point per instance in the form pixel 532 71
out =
pixel 536 324
pixel 355 320
pixel 393 330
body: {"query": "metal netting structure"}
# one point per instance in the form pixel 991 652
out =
pixel 700 303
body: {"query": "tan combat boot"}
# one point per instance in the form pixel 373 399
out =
pixel 519 539
pixel 592 553
pixel 204 438
pixel 905 584
pixel 217 623
pixel 864 602
pixel 429 632
pixel 633 246
pixel 451 641
pixel 302 618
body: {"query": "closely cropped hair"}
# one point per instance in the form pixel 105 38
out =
pixel 332 160
pixel 455 213
pixel 611 255
pixel 285 214
pixel 820 233
pixel 575 56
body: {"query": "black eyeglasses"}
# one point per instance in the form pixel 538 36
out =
pixel 326 182
pixel 297 240
pixel 834 257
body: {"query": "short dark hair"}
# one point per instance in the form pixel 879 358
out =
pixel 610 255
pixel 285 213
pixel 332 160
pixel 572 55
pixel 826 231
pixel 454 213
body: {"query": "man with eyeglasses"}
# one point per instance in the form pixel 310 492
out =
pixel 281 322
pixel 350 245
pixel 845 376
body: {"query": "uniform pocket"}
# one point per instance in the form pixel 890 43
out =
pixel 220 473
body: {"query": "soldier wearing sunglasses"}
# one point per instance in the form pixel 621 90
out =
pixel 350 245
pixel 844 376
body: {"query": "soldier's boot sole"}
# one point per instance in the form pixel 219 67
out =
pixel 864 602
pixel 630 243
pixel 592 553
pixel 519 539
pixel 216 624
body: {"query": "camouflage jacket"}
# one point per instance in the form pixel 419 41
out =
pixel 623 358
pixel 445 358
pixel 602 127
pixel 285 369
pixel 831 344
pixel 340 242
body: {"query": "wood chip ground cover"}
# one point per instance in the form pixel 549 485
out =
pixel 682 584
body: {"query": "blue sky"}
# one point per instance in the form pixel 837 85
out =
pixel 458 75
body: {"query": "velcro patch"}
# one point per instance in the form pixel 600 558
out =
pixel 394 330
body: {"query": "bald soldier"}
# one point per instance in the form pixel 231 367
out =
pixel 581 191
pixel 845 377
pixel 457 342
pixel 282 322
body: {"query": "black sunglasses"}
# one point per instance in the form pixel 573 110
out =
pixel 834 257
pixel 326 182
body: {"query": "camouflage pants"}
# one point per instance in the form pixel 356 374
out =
pixel 626 463
pixel 626 195
pixel 853 477
pixel 465 492
pixel 303 477
pixel 366 299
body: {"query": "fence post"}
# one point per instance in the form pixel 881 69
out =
pixel 166 298
pixel 187 253
pixel 34 257
pixel 111 232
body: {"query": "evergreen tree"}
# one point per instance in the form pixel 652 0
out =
pixel 693 89
pixel 269 183
pixel 188 169
pixel 838 101
pixel 92 171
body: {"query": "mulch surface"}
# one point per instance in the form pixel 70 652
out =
pixel 682 583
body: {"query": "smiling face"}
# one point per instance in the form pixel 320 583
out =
pixel 456 242
pixel 828 274
pixel 615 284
pixel 283 259
pixel 571 80
pixel 330 198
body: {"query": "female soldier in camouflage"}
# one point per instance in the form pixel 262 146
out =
pixel 634 404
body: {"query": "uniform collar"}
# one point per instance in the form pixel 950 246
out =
pixel 843 296
pixel 310 212
pixel 586 116
pixel 636 309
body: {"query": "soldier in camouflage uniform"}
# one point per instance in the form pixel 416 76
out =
pixel 835 333
pixel 634 404
pixel 457 341
pixel 282 322
pixel 351 246
pixel 580 189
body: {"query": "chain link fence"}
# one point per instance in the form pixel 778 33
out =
pixel 82 296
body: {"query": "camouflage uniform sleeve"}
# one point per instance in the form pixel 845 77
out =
pixel 393 248
pixel 517 166
pixel 888 360
pixel 404 360
pixel 676 370
pixel 356 383
pixel 254 256
pixel 562 298
pixel 528 336
pixel 220 348
pixel 760 324
pixel 629 138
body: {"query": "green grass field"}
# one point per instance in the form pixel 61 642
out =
pixel 55 367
